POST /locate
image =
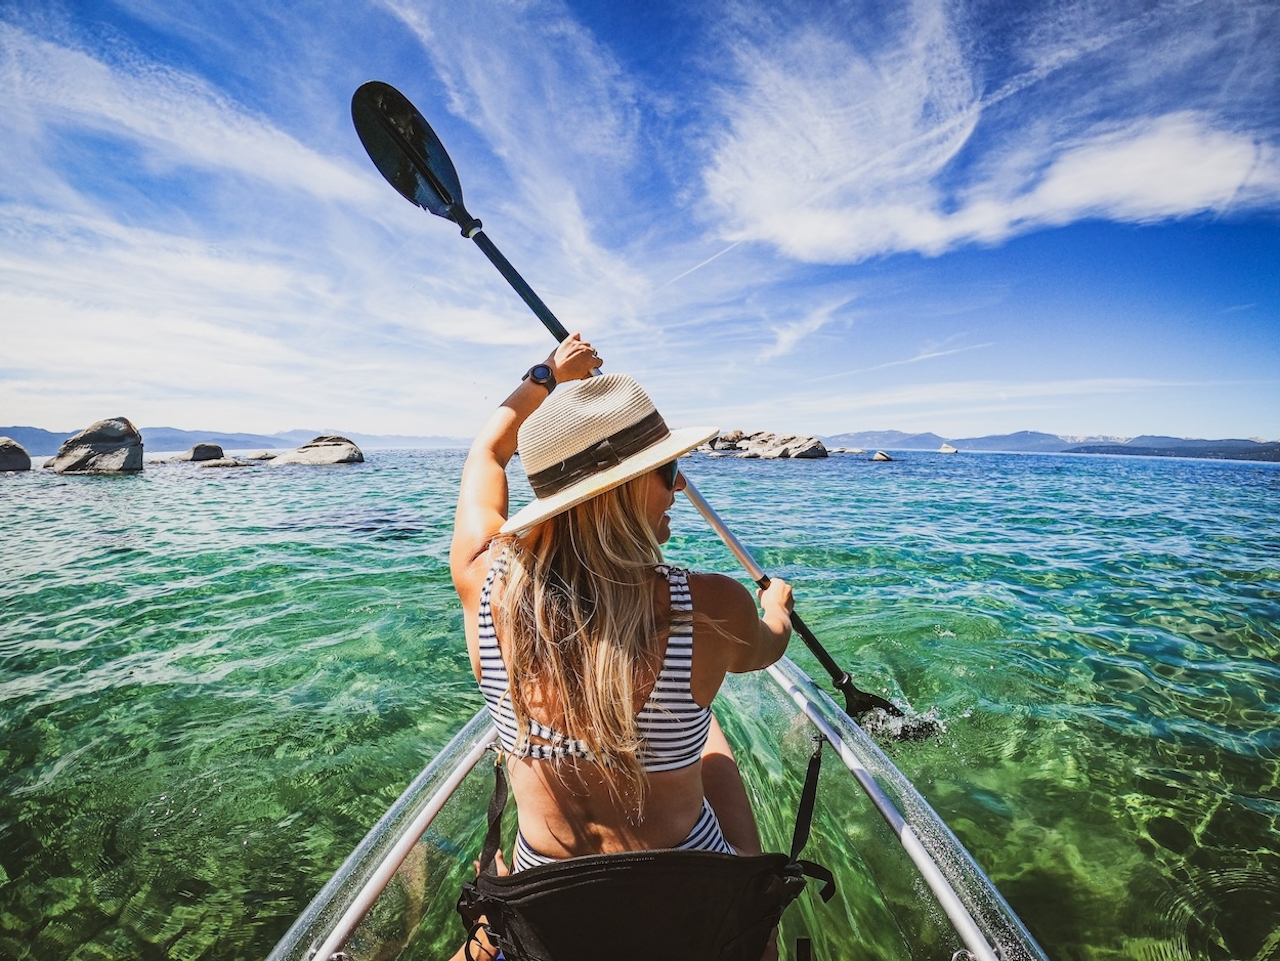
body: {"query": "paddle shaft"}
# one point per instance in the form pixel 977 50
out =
pixel 857 702
pixel 526 293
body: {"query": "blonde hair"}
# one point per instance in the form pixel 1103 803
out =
pixel 576 609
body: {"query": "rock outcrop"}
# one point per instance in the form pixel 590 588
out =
pixel 201 452
pixel 111 446
pixel 13 456
pixel 769 446
pixel 322 450
pixel 880 456
pixel 209 455
pixel 260 455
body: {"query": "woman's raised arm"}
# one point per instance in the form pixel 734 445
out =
pixel 483 499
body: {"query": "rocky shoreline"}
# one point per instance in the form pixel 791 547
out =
pixel 114 446
pixel 769 446
pixel 765 445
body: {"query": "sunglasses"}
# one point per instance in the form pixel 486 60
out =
pixel 668 472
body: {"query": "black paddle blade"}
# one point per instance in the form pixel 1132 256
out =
pixel 408 153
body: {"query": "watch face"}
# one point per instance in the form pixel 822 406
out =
pixel 540 373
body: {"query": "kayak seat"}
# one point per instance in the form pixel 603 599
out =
pixel 639 905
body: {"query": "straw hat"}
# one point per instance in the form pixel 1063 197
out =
pixel 591 436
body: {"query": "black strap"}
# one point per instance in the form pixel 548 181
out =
pixel 808 797
pixel 804 819
pixel 473 937
pixel 497 804
pixel 820 873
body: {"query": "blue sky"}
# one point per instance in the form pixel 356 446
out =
pixel 811 217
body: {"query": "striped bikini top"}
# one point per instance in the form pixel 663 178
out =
pixel 672 725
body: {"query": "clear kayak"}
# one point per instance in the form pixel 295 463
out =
pixel 906 887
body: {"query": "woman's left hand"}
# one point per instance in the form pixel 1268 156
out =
pixel 574 359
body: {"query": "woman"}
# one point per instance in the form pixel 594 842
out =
pixel 598 662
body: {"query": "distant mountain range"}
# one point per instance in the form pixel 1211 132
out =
pixel 1024 441
pixel 1149 446
pixel 1029 441
pixel 40 443
pixel 45 443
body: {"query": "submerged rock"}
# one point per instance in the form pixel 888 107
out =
pixel 261 455
pixel 13 456
pixel 323 450
pixel 223 462
pixel 111 446
pixel 880 455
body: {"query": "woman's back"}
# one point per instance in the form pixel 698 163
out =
pixel 599 663
pixel 569 808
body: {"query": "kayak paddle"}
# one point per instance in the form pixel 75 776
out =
pixel 411 157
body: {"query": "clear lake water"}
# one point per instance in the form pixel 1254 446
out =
pixel 213 682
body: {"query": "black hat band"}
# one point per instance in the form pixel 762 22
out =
pixel 611 451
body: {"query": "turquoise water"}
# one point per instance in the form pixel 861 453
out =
pixel 213 682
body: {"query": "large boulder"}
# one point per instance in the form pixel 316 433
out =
pixel 13 456
pixel 202 452
pixel 322 450
pixel 880 456
pixel 111 446
pixel 806 448
pixel 728 440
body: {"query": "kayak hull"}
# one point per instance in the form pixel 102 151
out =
pixel 394 897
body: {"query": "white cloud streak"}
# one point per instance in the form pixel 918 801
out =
pixel 787 336
pixel 932 405
pixel 556 108
pixel 298 295
pixel 176 119
pixel 932 354
pixel 832 154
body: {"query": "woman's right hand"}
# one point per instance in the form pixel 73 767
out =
pixel 573 359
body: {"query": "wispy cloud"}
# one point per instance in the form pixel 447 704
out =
pixel 165 251
pixel 834 153
pixel 927 354
pixel 174 119
pixel 786 336
pixel 696 267
pixel 555 107
pixel 939 406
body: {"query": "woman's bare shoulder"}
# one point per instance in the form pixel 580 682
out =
pixel 723 599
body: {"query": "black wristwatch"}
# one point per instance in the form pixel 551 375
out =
pixel 541 375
